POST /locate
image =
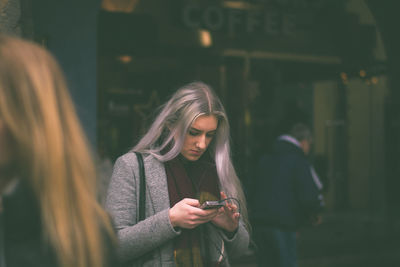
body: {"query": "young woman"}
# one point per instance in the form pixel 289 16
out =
pixel 187 162
pixel 49 214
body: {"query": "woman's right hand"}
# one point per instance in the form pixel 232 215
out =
pixel 187 214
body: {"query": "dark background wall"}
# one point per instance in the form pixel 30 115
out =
pixel 387 16
pixel 69 30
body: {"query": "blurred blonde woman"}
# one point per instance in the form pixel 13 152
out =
pixel 187 162
pixel 50 215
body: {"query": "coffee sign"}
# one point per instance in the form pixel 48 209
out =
pixel 279 17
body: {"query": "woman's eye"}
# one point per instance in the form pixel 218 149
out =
pixel 210 135
pixel 193 133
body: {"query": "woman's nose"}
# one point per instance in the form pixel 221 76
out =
pixel 201 142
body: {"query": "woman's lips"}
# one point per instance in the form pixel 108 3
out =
pixel 195 152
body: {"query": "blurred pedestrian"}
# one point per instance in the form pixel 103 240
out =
pixel 287 197
pixel 187 162
pixel 49 212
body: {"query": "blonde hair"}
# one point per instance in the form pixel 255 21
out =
pixel 175 118
pixel 52 151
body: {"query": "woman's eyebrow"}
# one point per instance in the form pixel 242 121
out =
pixel 197 130
pixel 194 129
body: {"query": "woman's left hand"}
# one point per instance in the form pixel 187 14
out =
pixel 228 217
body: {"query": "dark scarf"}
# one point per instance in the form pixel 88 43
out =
pixel 198 180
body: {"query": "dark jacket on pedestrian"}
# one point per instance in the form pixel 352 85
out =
pixel 286 195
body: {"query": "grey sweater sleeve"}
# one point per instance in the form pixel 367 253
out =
pixel 135 238
pixel 239 243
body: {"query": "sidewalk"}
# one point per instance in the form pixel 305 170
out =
pixel 344 240
pixel 349 239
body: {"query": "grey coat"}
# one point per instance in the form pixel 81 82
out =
pixel 154 234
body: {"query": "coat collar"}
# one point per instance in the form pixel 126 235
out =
pixel 156 181
pixel 290 139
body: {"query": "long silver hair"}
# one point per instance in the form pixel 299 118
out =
pixel 164 140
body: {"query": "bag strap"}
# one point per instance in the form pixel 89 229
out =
pixel 142 194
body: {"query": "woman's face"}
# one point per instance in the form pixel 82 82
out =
pixel 199 136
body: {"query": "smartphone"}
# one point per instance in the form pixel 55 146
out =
pixel 212 205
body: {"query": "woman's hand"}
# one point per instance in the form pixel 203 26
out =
pixel 187 214
pixel 228 217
